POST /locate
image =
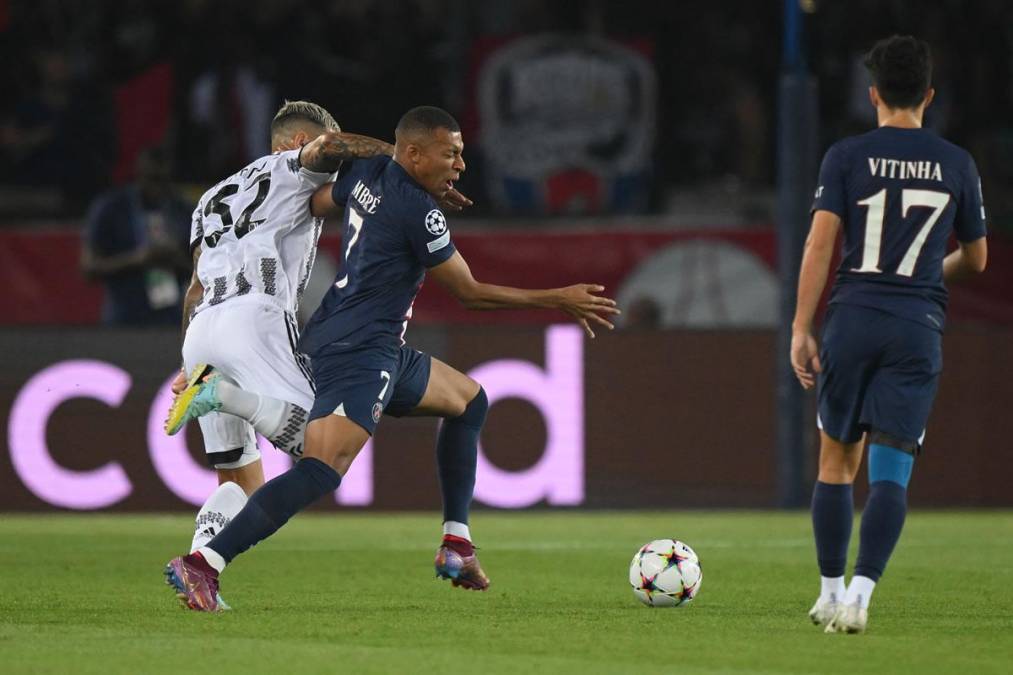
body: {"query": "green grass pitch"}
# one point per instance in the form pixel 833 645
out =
pixel 355 593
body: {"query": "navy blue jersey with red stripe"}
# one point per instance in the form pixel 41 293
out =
pixel 900 194
pixel 394 230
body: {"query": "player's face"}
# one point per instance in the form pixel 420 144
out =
pixel 440 162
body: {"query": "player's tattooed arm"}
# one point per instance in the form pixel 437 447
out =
pixel 581 301
pixel 322 202
pixel 325 153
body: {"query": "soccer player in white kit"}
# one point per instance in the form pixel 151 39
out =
pixel 253 241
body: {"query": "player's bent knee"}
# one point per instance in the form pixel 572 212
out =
pixel 232 459
pixel 839 461
pixel 447 393
pixel 334 440
pixel 476 410
pixel 249 478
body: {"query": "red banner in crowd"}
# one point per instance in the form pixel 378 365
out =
pixel 705 278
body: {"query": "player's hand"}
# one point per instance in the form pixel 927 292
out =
pixel 805 358
pixel 179 384
pixel 581 302
pixel 454 201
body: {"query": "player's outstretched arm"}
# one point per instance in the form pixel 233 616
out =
pixel 579 301
pixel 325 153
pixel 812 279
pixel 969 258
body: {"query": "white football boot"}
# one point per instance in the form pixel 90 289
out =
pixel 824 610
pixel 851 618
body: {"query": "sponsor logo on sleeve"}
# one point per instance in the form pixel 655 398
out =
pixel 436 244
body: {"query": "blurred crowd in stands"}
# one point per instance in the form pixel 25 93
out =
pixel 90 84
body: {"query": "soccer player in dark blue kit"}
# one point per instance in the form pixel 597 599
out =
pixel 899 192
pixel 395 233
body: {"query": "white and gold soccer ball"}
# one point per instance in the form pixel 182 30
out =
pixel 665 573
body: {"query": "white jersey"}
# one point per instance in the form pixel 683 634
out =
pixel 257 233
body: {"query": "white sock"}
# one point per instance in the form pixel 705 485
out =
pixel 236 401
pixel 456 529
pixel 860 591
pixel 220 508
pixel 832 589
pixel 280 422
pixel 213 558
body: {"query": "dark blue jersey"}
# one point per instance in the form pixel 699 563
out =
pixel 393 231
pixel 900 193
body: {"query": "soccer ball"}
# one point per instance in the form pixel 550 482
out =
pixel 665 573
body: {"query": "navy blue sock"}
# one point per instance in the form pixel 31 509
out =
pixel 833 513
pixel 273 504
pixel 882 522
pixel 883 519
pixel 457 457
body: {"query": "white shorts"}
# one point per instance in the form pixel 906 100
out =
pixel 252 343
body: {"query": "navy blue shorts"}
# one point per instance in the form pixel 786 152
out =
pixel 880 372
pixel 366 382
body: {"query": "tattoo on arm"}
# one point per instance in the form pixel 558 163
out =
pixel 325 153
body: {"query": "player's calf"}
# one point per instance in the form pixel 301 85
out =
pixel 217 512
pixel 457 457
pixel 890 468
pixel 280 422
pixel 832 516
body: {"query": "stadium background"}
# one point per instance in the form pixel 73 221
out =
pixel 653 171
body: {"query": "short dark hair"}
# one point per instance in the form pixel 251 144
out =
pixel 427 118
pixel 901 69
pixel 301 112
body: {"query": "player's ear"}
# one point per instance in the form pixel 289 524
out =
pixel 300 139
pixel 874 96
pixel 929 95
pixel 414 153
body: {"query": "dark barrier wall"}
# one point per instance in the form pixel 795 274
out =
pixel 628 420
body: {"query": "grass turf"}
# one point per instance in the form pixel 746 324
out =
pixel 355 593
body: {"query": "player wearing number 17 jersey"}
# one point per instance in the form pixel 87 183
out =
pixel 898 192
